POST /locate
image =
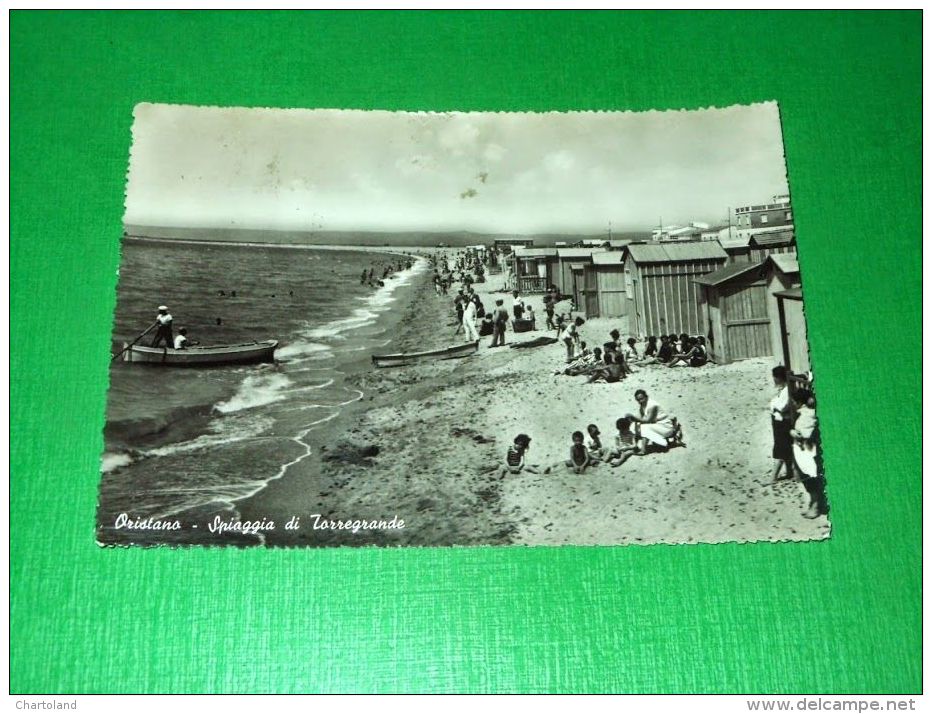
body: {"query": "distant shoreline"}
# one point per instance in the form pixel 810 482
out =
pixel 391 250
pixel 420 239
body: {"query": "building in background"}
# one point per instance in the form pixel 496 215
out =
pixel 509 244
pixel 777 215
pixel 692 231
pixel 535 269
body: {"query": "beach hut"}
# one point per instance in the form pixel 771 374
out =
pixel 662 297
pixel 794 344
pixel 788 325
pixel 570 275
pixel 734 312
pixel 605 285
pixel 534 268
pixel 736 247
pixel 739 308
pixel 761 245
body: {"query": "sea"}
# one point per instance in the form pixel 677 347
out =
pixel 190 442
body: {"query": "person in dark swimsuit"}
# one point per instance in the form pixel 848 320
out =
pixel 579 455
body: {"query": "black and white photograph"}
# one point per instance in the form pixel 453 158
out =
pixel 370 328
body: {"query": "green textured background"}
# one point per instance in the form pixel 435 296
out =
pixel 836 616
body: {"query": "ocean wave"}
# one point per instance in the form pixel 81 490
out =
pixel 222 432
pixel 311 350
pixel 110 461
pixel 312 387
pixel 255 391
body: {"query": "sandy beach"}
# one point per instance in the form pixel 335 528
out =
pixel 425 444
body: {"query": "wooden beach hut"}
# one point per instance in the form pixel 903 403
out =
pixel 737 247
pixel 794 343
pixel 739 309
pixel 535 269
pixel 570 275
pixel 662 297
pixel 734 309
pixel 605 285
pixel 788 326
pixel 762 245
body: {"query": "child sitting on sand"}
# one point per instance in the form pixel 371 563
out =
pixel 625 443
pixel 514 459
pixel 583 365
pixel 579 456
pixel 596 450
pixel 613 370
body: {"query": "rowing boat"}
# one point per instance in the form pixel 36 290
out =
pixel 247 353
pixel 405 358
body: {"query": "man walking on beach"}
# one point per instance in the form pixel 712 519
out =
pixel 501 319
pixel 469 321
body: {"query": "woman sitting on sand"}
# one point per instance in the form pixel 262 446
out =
pixel 696 356
pixel 656 426
pixel 666 351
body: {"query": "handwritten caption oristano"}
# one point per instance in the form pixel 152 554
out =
pixel 220 525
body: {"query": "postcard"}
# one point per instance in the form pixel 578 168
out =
pixel 370 328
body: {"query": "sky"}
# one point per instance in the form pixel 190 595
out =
pixel 506 173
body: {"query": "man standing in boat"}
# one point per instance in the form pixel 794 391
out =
pixel 164 331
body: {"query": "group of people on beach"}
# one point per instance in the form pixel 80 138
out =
pixel 796 440
pixel 616 360
pixel 652 428
pixel 370 277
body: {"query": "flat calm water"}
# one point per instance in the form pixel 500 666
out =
pixel 193 440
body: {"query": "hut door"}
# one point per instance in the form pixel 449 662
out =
pixel 592 291
pixel 578 287
pixel 745 322
pixel 796 339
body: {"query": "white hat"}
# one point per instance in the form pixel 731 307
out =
pixel 162 307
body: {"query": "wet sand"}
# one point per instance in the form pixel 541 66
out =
pixel 426 444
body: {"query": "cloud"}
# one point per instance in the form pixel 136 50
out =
pixel 559 161
pixel 493 153
pixel 459 135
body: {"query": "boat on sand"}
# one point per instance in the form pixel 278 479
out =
pixel 405 358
